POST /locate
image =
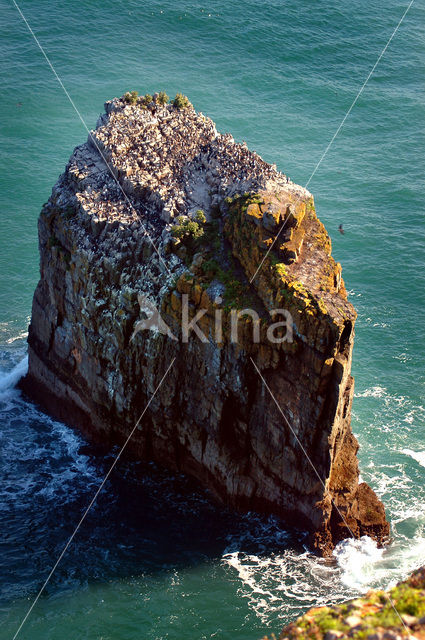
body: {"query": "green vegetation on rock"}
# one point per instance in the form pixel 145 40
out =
pixel 235 294
pixel 200 216
pixel 401 612
pixel 147 99
pixel 162 98
pixel 187 231
pixel 130 97
pixel 181 101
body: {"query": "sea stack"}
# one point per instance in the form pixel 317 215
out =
pixel 158 219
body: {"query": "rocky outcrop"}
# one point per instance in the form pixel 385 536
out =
pixel 379 615
pixel 157 211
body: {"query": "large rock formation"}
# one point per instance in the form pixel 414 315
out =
pixel 263 422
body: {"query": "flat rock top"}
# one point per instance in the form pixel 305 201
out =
pixel 171 158
pixel 145 166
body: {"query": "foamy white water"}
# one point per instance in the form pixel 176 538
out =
pixel 359 561
pixel 9 379
pixel 419 456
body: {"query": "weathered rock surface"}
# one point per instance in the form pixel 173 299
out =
pixel 109 234
pixel 379 615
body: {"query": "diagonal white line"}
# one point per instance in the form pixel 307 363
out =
pixel 168 369
pixel 371 72
pixel 269 249
pixel 322 482
pixel 390 600
pixel 64 550
pixel 359 94
pixel 88 130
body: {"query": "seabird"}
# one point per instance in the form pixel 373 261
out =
pixel 340 229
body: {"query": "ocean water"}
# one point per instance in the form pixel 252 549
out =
pixel 156 559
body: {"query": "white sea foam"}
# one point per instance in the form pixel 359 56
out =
pixel 409 553
pixel 247 570
pixel 403 357
pixel 8 380
pixel 275 579
pixel 300 580
pixel 358 560
pixel 373 392
pixel 17 338
pixel 33 440
pixel 419 456
pixel 284 582
pixel 364 566
pixel 36 443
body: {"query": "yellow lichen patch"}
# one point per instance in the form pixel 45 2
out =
pixel 370 608
pixel 184 284
pixel 196 293
pixel 266 200
pixel 285 281
pixel 175 301
pixel 296 214
pixel 322 306
pixel 322 238
pixel 310 205
pixel 253 211
pixel 291 249
pixel 281 269
pixel 332 276
pixel 206 302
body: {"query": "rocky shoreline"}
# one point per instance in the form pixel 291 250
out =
pixel 159 211
pixel 379 615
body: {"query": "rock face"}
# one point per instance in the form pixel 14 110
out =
pixel 159 211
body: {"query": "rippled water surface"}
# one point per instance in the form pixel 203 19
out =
pixel 156 559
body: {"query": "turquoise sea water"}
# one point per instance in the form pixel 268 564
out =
pixel 155 558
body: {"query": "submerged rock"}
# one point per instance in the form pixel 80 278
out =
pixel 157 220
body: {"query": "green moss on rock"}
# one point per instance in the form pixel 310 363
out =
pixel 400 612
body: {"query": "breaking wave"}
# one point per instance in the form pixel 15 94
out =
pixel 8 380
pixel 419 456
